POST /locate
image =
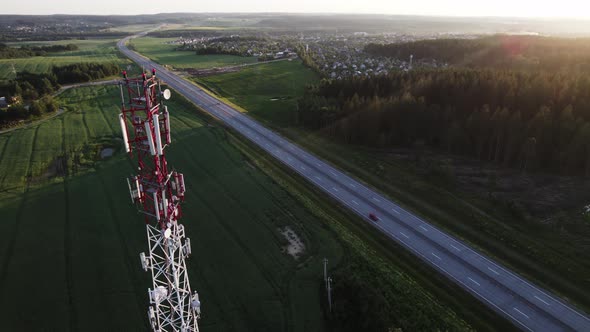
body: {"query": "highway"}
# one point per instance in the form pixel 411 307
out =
pixel 526 305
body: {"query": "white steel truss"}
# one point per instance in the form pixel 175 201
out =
pixel 172 306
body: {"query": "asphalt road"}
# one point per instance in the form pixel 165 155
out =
pixel 528 306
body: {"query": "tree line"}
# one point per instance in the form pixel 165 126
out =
pixel 500 51
pixel 7 52
pixel 84 72
pixel 531 120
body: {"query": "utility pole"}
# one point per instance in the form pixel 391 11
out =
pixel 328 281
pixel 326 272
pixel 330 293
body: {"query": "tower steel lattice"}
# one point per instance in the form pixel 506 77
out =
pixel 158 192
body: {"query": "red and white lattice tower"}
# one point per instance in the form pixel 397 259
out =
pixel 158 192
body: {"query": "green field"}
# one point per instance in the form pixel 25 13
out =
pixel 73 245
pixel 70 256
pixel 165 54
pixel 267 91
pixel 92 50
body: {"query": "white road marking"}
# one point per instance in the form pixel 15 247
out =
pixel 496 272
pixel 355 202
pixel 394 210
pixel 473 281
pixel 303 168
pixel 433 254
pixel 319 165
pixel 319 178
pixel 520 312
pixel 352 185
pixel 424 228
pixel 455 248
pixel 540 299
pixel 334 173
pixel 402 233
pixel 376 200
pixel 336 190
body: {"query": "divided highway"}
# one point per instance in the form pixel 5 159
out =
pixel 528 306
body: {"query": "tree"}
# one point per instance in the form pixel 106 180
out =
pixel 51 105
pixel 37 108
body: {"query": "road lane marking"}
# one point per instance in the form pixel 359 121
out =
pixel 540 299
pixel 319 165
pixel 333 188
pixel 394 210
pixel 496 272
pixel 402 233
pixel 303 168
pixel 355 202
pixel 455 248
pixel 473 281
pixel 433 254
pixel 334 173
pixel 319 178
pixel 376 200
pixel 520 312
pixel 424 228
pixel 352 185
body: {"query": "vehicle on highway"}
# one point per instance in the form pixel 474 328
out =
pixel 373 216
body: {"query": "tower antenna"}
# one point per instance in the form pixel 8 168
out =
pixel 158 192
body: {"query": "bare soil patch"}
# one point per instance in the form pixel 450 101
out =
pixel 296 247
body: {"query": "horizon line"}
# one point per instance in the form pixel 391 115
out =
pixel 323 13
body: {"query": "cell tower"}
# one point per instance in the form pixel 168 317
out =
pixel 158 192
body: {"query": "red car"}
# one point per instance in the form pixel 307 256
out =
pixel 373 216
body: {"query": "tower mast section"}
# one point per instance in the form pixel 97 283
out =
pixel 158 192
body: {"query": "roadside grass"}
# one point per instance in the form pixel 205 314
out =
pixel 541 253
pixel 73 242
pixel 165 54
pixel 91 50
pixel 423 288
pixel 267 91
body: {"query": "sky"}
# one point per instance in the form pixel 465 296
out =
pixel 511 8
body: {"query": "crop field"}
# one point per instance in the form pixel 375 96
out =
pixel 71 258
pixel 70 261
pixel 157 50
pixel 92 50
pixel 268 91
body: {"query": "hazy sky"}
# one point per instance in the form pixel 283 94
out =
pixel 523 8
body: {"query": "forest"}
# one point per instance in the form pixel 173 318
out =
pixel 7 52
pixel 84 72
pixel 498 51
pixel 529 120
